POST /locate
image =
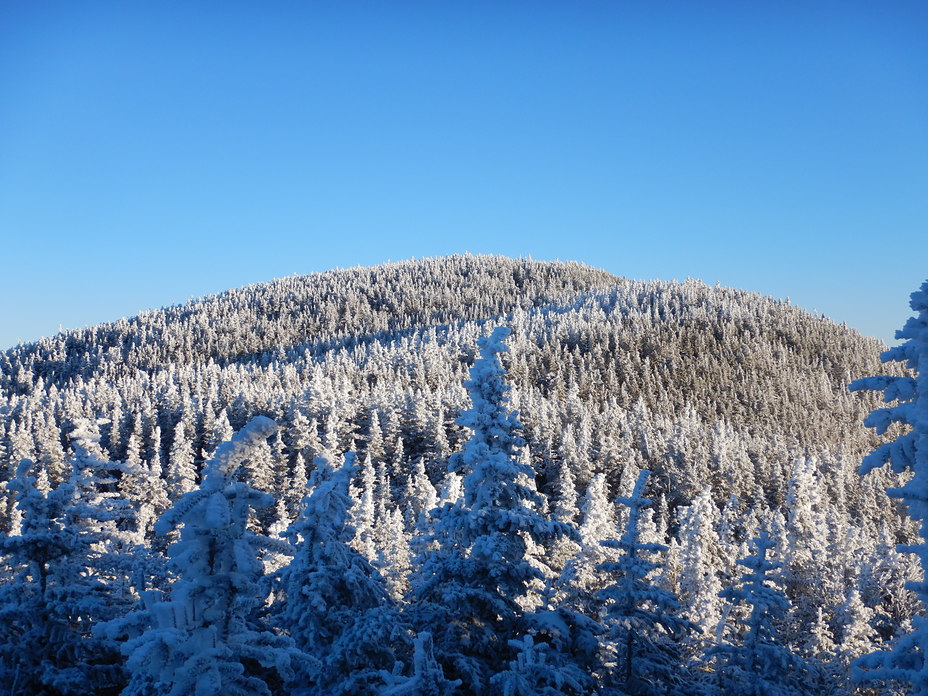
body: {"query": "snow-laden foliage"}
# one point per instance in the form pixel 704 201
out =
pixel 427 678
pixel 755 662
pixel 207 636
pixel 468 588
pixel 700 560
pixel 581 578
pixel 737 403
pixel 334 604
pixel 531 673
pixel 51 602
pixel 642 625
pixel 907 661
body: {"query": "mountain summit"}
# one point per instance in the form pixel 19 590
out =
pixel 736 403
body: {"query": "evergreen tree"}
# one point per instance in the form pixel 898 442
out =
pixel 564 548
pixel 181 473
pixel 333 602
pixel 296 486
pixel 363 510
pixel 419 496
pixel 427 678
pixel 642 626
pixel 907 660
pixel 112 520
pixel 469 587
pixel 854 618
pixel 531 673
pixel 207 637
pixel 258 469
pixel 807 574
pixel 51 602
pixel 392 548
pixel 579 578
pixel 755 663
pixel 700 564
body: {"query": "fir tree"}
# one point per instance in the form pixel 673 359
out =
pixel 531 673
pixel 469 587
pixel 699 572
pixel 333 602
pixel 641 622
pixel 755 663
pixel 598 525
pixel 52 601
pixel 181 473
pixel 907 661
pixel 363 509
pixel 207 636
pixel 393 553
pixel 427 678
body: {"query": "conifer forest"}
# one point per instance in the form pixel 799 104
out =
pixel 470 476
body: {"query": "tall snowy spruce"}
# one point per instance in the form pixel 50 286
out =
pixel 642 627
pixel 207 637
pixel 755 662
pixel 469 588
pixel 333 602
pixel 906 662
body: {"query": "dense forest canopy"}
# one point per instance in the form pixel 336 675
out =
pixel 737 405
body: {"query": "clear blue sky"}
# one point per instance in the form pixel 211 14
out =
pixel 151 152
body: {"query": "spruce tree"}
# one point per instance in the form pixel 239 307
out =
pixel 755 662
pixel 427 678
pixel 700 562
pixel 333 602
pixel 208 636
pixel 181 473
pixel 50 604
pixel 906 662
pixel 641 623
pixel 532 673
pixel 470 587
pixel 579 578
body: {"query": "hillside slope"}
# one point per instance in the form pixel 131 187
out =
pixel 719 392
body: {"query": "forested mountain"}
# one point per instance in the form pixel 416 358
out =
pixel 736 403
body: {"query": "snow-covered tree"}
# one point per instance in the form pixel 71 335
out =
pixel 53 599
pixel 181 472
pixel 642 627
pixel 531 673
pixel 754 662
pixel 99 507
pixel 393 552
pixel 853 617
pixel 296 486
pixel 564 548
pixel 363 509
pixel 580 579
pixel 333 602
pixel 807 574
pixel 419 496
pixel 427 678
pixel 906 662
pixel 207 636
pixel 468 588
pixel 700 564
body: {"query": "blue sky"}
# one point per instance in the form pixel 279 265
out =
pixel 152 152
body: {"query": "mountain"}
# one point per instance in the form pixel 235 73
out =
pixel 726 396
